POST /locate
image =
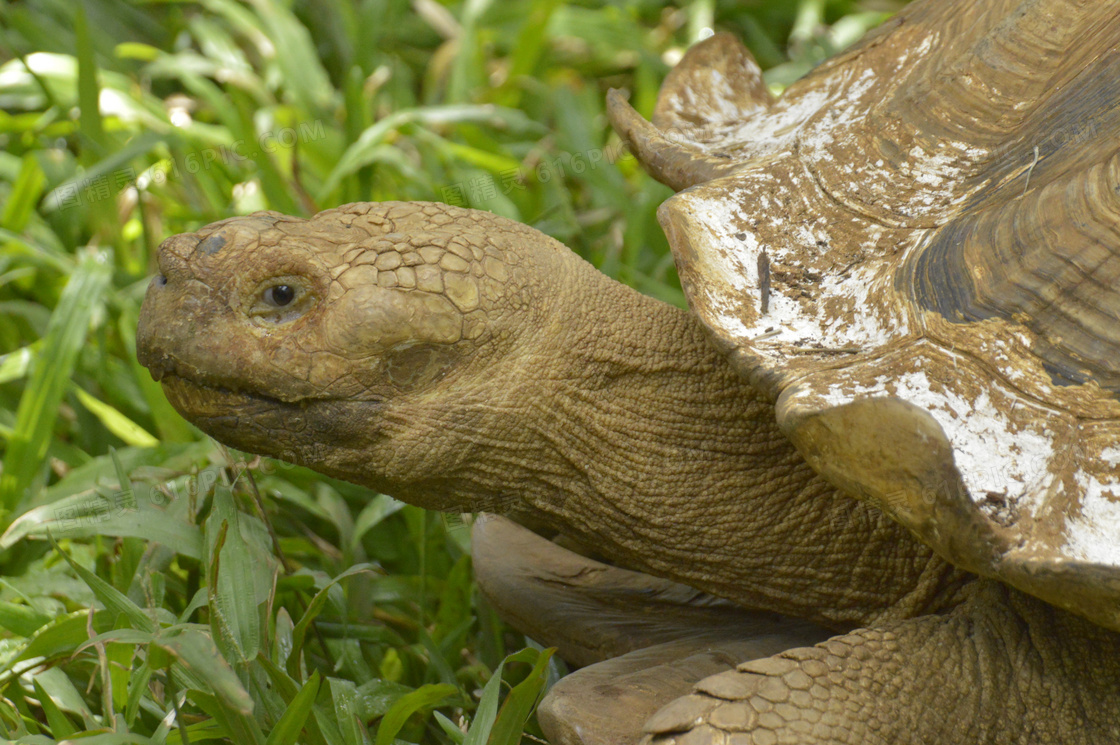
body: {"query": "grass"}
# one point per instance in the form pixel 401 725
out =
pixel 156 587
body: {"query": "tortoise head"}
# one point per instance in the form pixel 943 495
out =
pixel 352 340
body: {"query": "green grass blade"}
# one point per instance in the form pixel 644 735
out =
pixel 364 151
pixel 810 18
pixel 222 626
pixel 137 688
pixel 449 728
pixel 289 689
pixel 487 710
pixel 530 47
pixel 372 515
pixel 38 407
pixel 89 114
pixel 124 483
pixel 520 703
pixel 85 515
pixel 61 727
pixel 22 620
pixel 197 732
pixel 238 725
pixel 287 730
pixel 436 656
pixel 116 422
pixel 105 167
pixel 118 660
pixel 109 738
pixel 119 635
pixel 113 599
pixel 303 73
pixel 314 608
pixel 466 72
pixel 63 635
pixel 424 697
pixel 14 365
pixel 64 693
pixel 95 145
pixel 206 671
pixel 344 695
pixel 240 577
pixel 24 195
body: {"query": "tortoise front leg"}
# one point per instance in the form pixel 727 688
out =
pixel 1002 668
pixel 608 703
pixel 592 611
pixel 644 641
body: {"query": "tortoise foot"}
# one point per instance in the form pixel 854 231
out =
pixel 998 669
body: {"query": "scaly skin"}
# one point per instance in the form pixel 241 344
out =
pixel 1002 668
pixel 460 361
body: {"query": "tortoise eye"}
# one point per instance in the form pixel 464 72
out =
pixel 279 295
pixel 281 299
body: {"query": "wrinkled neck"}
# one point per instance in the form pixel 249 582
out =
pixel 618 423
pixel 652 451
pixel 652 426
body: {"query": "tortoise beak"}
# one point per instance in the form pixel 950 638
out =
pixel 150 352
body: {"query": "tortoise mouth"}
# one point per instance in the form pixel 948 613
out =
pixel 257 423
pixel 198 400
pixel 244 419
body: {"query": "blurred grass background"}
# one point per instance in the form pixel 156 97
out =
pixel 156 587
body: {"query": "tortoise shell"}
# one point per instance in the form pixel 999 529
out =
pixel 916 253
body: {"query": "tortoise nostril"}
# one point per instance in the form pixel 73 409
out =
pixel 161 280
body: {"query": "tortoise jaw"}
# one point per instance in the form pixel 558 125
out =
pixel 296 431
pixel 197 400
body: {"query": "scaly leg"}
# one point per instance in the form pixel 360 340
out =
pixel 1002 668
pixel 645 641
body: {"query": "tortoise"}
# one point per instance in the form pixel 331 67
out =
pixel 867 490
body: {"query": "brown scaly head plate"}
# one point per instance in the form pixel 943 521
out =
pixel 916 252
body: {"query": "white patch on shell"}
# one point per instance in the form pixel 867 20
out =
pixel 842 313
pixel 720 215
pixel 726 107
pixel 942 170
pixel 991 454
pixel 839 116
pixel 1094 535
pixel 841 101
pixel 865 328
pixel 807 324
pixel 774 132
pixel 1111 456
